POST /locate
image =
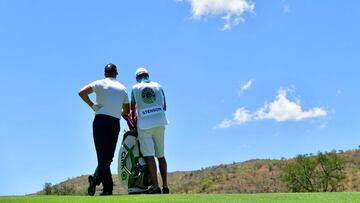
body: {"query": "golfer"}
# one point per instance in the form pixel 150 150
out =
pixel 111 103
pixel 148 105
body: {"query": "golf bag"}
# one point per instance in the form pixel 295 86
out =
pixel 132 169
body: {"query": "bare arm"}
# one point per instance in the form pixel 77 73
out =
pixel 133 110
pixel 84 94
pixel 133 106
pixel 125 110
pixel 128 118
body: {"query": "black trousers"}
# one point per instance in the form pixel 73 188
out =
pixel 106 132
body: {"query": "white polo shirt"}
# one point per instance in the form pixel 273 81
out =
pixel 110 96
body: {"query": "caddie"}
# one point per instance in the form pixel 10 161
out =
pixel 148 105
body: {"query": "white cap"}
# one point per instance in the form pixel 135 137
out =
pixel 141 71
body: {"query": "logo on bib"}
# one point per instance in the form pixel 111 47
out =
pixel 148 95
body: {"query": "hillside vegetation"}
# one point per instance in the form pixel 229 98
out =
pixel 253 176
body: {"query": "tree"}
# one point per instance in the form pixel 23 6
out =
pixel 321 173
pixel 47 188
pixel 331 171
pixel 299 176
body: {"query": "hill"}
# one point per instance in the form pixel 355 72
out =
pixel 253 176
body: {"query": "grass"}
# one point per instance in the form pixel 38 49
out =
pixel 198 198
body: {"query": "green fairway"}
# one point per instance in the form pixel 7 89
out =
pixel 205 198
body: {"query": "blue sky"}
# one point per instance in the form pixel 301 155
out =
pixel 243 79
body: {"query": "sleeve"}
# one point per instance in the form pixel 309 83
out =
pixel 126 97
pixel 94 85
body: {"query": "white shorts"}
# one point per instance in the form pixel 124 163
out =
pixel 152 141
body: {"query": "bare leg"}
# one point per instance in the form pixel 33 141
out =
pixel 163 170
pixel 150 161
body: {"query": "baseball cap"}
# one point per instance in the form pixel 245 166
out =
pixel 140 71
pixel 110 68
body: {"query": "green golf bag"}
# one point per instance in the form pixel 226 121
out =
pixel 132 169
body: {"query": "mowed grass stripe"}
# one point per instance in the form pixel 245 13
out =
pixel 198 198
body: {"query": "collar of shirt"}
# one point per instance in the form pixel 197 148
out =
pixel 144 80
pixel 110 78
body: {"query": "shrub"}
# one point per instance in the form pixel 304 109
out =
pixel 63 190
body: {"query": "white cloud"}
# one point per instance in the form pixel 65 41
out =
pixel 240 116
pixel 245 86
pixel 281 109
pixel 230 10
